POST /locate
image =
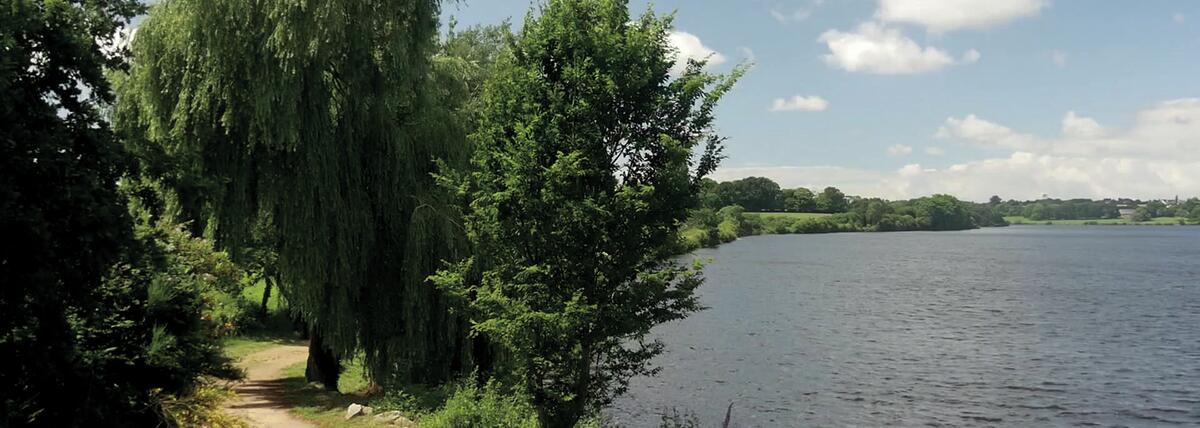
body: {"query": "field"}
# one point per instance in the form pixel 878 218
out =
pixel 1108 221
pixel 791 215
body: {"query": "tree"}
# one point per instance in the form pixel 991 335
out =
pixel 584 171
pixel 1142 214
pixel 94 318
pixel 755 194
pixel 832 200
pixel 332 133
pixel 994 200
pixel 943 212
pixel 799 200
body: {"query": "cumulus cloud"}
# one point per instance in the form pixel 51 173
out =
pixel 800 103
pixel 940 16
pixel 873 48
pixel 1075 126
pixel 689 47
pixel 899 150
pixel 1156 157
pixel 935 151
pixel 1169 130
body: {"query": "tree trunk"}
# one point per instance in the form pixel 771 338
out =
pixel 266 295
pixel 323 365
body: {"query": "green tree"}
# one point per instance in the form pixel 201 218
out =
pixel 832 200
pixel 943 212
pixel 1143 214
pixel 583 174
pixel 755 194
pixel 98 322
pixel 327 117
pixel 799 200
pixel 994 200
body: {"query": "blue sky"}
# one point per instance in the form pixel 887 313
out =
pixel 902 98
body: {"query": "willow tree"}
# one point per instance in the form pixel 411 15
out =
pixel 589 155
pixel 322 117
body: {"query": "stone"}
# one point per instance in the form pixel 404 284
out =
pixel 388 417
pixel 367 410
pixel 394 418
pixel 353 410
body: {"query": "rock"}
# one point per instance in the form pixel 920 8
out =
pixel 393 418
pixel 388 417
pixel 353 410
pixel 367 410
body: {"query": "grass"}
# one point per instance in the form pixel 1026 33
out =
pixel 791 215
pixel 1107 221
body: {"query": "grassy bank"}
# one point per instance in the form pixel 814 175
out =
pixel 452 405
pixel 1158 221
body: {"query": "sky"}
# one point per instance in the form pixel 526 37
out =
pixel 906 98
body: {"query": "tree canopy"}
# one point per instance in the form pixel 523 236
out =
pixel 327 117
pixel 583 172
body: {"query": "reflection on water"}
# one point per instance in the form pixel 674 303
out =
pixel 1022 326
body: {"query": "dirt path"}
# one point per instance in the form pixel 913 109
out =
pixel 260 396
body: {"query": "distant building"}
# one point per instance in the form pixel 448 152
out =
pixel 1126 212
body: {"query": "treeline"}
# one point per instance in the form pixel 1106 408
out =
pixel 1087 209
pixel 486 208
pixel 708 227
pixel 760 194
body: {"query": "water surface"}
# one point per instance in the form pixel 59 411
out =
pixel 1018 326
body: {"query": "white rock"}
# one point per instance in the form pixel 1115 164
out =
pixel 353 410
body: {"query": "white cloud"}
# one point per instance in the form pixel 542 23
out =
pixel 899 150
pixel 688 46
pixel 935 151
pixel 940 16
pixel 800 103
pixel 984 133
pixel 1059 58
pixel 1167 131
pixel 872 48
pixel 1156 157
pixel 1074 126
pixel 1179 18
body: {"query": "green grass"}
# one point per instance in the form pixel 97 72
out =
pixel 328 408
pixel 1107 221
pixel 791 215
pixel 238 347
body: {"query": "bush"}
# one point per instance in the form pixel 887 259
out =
pixel 489 406
pixel 202 408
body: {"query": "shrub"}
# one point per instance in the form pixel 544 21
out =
pixel 487 406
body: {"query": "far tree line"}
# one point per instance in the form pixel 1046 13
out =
pixel 1087 209
pixel 761 194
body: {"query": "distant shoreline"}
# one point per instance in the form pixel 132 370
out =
pixel 1158 221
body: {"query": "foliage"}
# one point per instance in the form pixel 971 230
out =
pixel 203 407
pixel 799 200
pixel 488 406
pixel 584 171
pixel 753 193
pixel 72 341
pixel 832 200
pixel 322 120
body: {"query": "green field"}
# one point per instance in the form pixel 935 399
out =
pixel 792 215
pixel 1107 221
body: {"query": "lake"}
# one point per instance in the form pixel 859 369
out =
pixel 1017 326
